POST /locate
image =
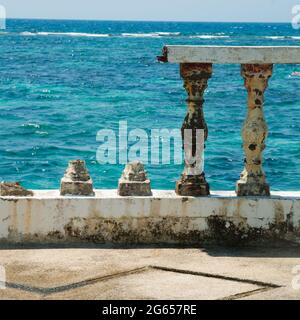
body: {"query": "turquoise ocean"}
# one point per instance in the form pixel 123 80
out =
pixel 63 81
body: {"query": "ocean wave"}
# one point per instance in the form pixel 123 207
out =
pixel 275 37
pixel 143 35
pixel 31 125
pixel 74 34
pixel 282 37
pixel 100 35
pixel 70 34
pixel 294 74
pixel 168 34
pixel 158 34
pixel 207 36
pixel 27 33
pixel 140 35
pixel 41 133
pixel 151 34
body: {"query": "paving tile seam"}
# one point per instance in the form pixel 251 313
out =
pixel 217 276
pixel 246 293
pixel 75 285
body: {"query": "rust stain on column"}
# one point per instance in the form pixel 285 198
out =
pixel 195 76
pixel 255 131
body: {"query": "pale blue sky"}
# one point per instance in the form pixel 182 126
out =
pixel 167 10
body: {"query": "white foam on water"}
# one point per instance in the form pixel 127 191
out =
pixel 70 34
pixel 282 37
pixel 99 35
pixel 151 34
pixel 207 36
pixel 140 35
pixel 168 34
pixel 73 34
pixel 27 33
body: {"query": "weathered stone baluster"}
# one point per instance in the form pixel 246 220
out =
pixel 195 76
pixel 255 130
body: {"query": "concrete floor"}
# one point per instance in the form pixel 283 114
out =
pixel 150 273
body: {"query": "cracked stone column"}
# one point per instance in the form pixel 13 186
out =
pixel 255 130
pixel 77 181
pixel 195 76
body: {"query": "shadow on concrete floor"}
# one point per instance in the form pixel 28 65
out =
pixel 255 252
pixel 282 249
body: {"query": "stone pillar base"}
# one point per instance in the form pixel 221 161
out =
pixel 252 189
pixel 134 188
pixel 194 186
pixel 13 189
pixel 76 188
pixel 76 181
pixel 134 181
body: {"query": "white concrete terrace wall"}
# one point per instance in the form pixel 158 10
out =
pixel 162 218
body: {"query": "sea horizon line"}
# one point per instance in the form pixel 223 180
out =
pixel 151 21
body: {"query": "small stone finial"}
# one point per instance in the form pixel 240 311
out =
pixel 134 182
pixel 76 181
pixel 14 189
